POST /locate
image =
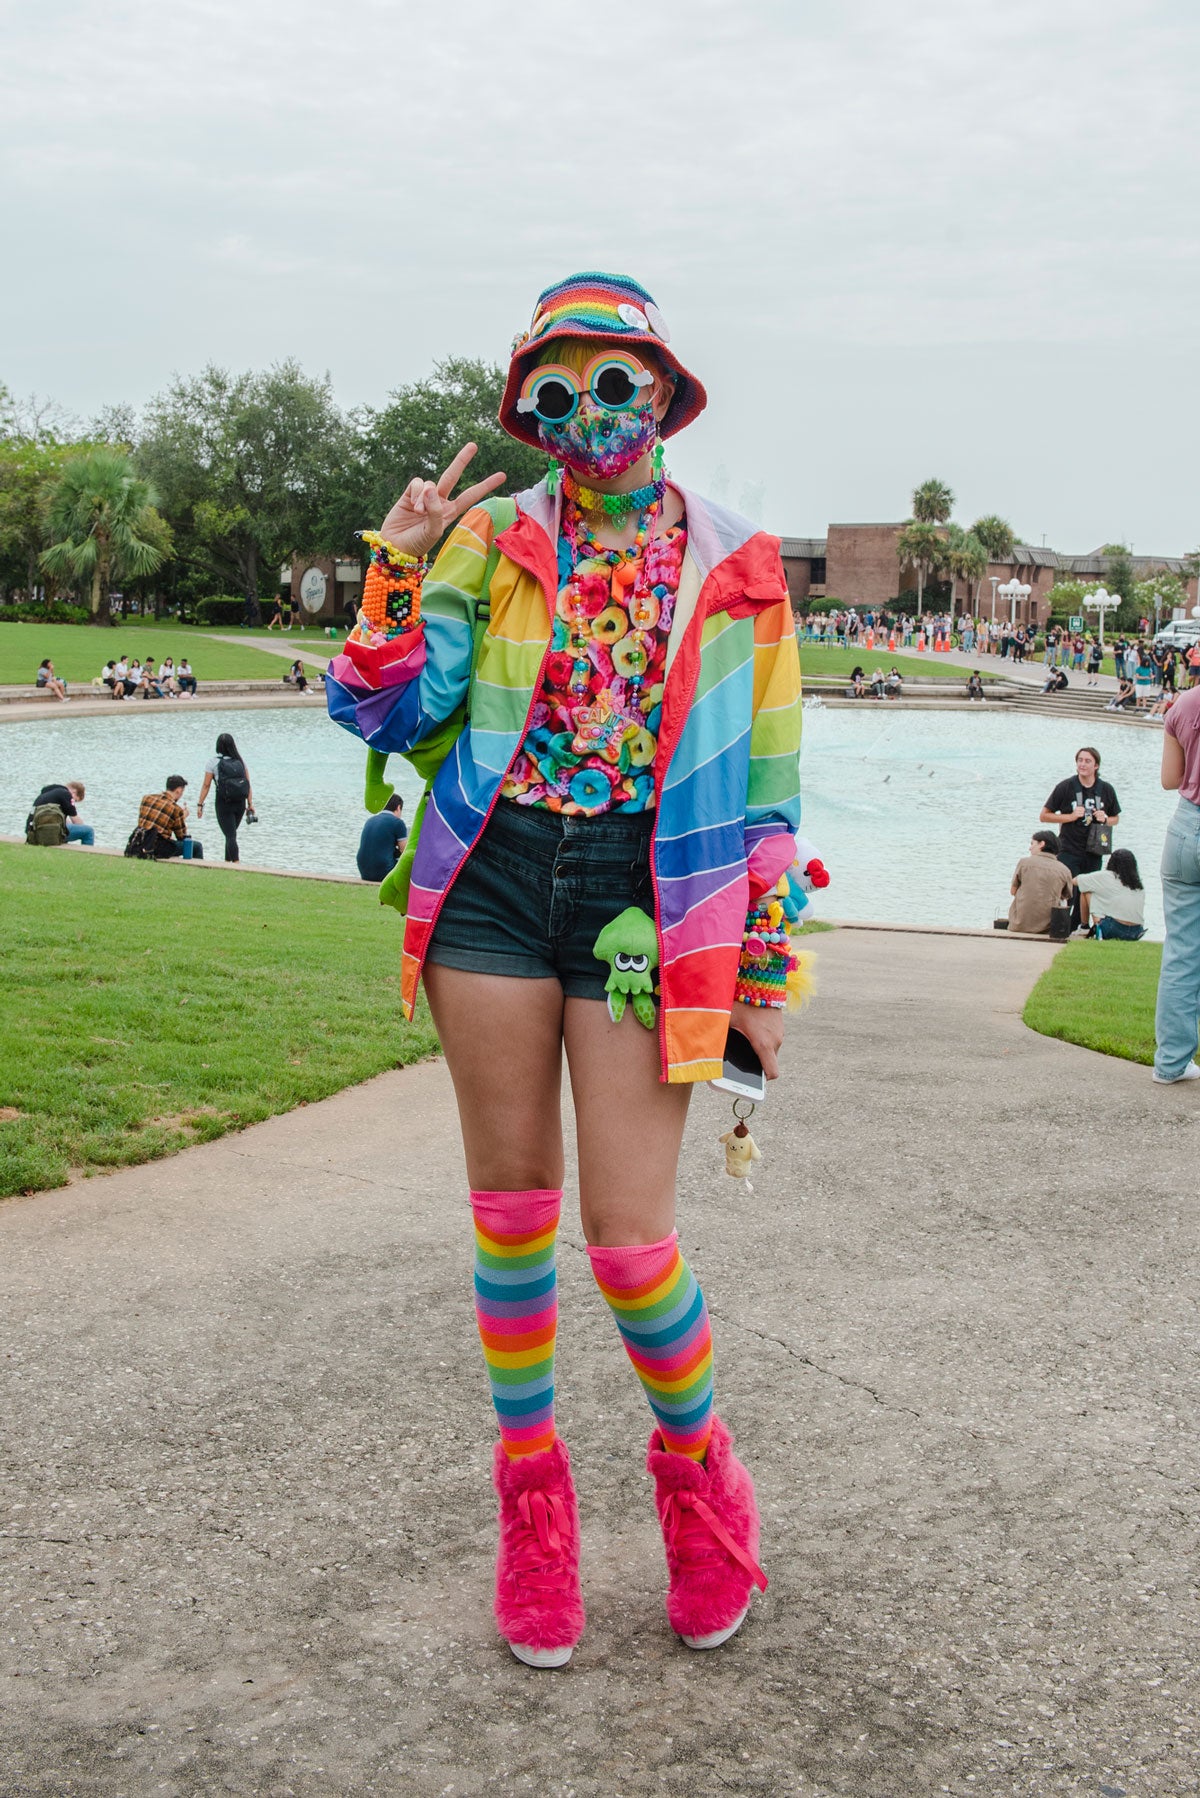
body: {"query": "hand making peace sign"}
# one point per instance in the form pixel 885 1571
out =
pixel 424 509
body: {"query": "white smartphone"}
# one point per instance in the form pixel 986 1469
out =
pixel 741 1070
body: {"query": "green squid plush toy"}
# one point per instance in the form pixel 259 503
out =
pixel 630 945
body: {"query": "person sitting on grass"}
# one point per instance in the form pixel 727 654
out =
pixel 382 841
pixel 52 831
pixel 77 830
pixel 162 820
pixel 975 685
pixel 1112 902
pixel 1040 883
pixel 186 679
pixel 48 681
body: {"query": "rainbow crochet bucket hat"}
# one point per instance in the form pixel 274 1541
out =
pixel 611 309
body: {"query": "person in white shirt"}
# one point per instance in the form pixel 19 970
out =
pixel 1113 899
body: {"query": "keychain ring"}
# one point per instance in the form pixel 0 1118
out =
pixel 741 1116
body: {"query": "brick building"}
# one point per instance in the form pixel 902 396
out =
pixel 859 565
pixel 327 586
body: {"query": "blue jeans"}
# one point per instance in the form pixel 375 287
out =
pixel 81 833
pixel 1112 930
pixel 1175 1018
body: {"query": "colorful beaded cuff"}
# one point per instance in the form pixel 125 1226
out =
pixel 766 959
pixel 391 602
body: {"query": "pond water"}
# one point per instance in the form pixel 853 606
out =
pixel 921 816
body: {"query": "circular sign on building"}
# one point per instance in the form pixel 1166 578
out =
pixel 312 589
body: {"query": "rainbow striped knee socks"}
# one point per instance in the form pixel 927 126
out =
pixel 516 1306
pixel 663 1320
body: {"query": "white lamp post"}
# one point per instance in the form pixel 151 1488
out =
pixel 1102 602
pixel 1014 590
pixel 994 578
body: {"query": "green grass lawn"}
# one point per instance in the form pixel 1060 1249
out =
pixel 79 651
pixel 822 659
pixel 148 1007
pixel 1101 996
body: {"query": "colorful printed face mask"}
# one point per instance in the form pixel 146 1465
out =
pixel 599 423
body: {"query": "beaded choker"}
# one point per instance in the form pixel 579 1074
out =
pixel 617 506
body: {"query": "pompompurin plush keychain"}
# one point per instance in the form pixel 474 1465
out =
pixel 741 1150
pixel 769 969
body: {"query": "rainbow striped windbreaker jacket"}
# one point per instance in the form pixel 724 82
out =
pixel 727 767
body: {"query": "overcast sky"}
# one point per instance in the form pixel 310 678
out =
pixel 896 238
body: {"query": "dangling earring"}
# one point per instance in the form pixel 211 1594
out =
pixel 552 473
pixel 660 454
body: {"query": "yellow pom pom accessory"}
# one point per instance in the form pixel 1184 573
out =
pixel 801 980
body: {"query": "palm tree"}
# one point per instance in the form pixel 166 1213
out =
pixel 922 544
pixel 103 525
pixel 996 535
pixel 932 502
pixel 967 558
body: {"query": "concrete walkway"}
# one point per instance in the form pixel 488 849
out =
pixel 245 1442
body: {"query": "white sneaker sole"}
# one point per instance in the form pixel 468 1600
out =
pixel 541 1657
pixel 1190 1072
pixel 718 1636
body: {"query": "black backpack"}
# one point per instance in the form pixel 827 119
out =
pixel 232 780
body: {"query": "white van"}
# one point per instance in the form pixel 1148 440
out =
pixel 1181 633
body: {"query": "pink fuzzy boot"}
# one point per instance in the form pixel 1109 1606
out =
pixel 710 1531
pixel 539 1606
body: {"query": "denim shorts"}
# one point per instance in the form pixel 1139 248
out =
pixel 537 890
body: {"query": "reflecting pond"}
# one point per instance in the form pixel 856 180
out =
pixel 921 816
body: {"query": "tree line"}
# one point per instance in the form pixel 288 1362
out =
pixel 224 477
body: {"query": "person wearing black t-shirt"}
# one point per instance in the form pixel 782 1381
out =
pixel 1073 807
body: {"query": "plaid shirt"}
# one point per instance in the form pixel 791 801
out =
pixel 159 812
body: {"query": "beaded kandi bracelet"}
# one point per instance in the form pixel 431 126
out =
pixel 391 602
pixel 766 959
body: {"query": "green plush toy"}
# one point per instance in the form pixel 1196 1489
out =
pixel 630 945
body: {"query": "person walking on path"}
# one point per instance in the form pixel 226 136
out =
pixel 622 800
pixel 1178 1004
pixel 235 799
pixel 1073 807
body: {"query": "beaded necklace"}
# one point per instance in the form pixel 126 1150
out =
pixel 619 571
pixel 617 506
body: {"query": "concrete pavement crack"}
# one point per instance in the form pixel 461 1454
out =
pixel 829 1372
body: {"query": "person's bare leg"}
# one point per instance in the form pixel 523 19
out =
pixel 502 1040
pixel 629 1126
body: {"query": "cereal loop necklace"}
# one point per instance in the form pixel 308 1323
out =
pixel 604 602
